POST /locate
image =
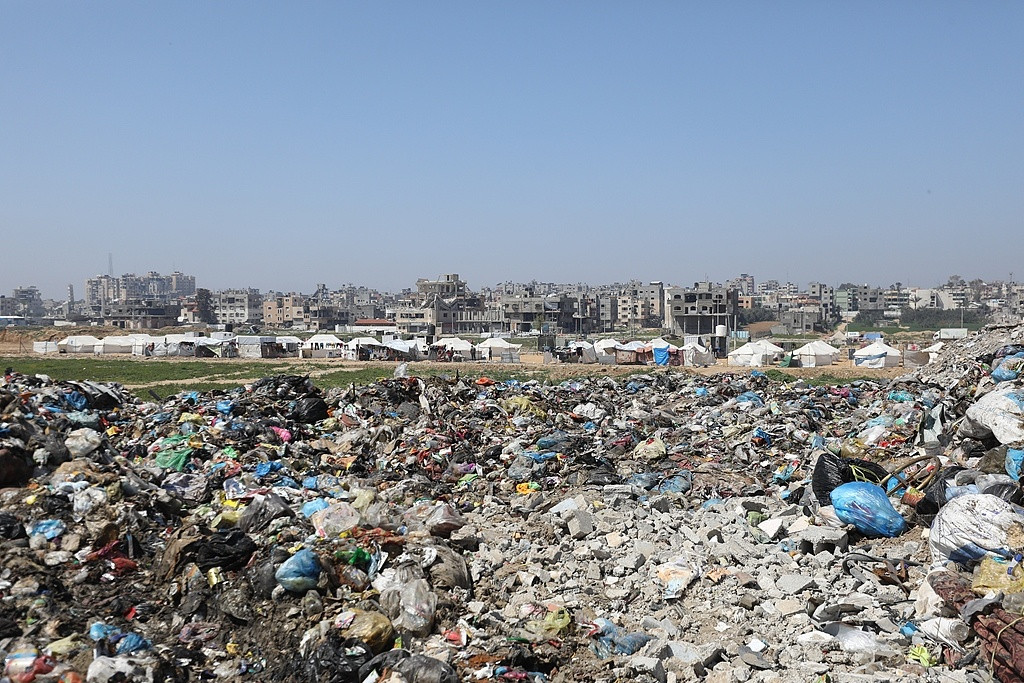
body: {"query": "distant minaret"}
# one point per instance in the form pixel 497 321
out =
pixel 110 263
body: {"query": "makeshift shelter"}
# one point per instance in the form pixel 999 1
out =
pixel 79 343
pixel 664 353
pixel 605 347
pixel 45 347
pixel 633 353
pixel 755 354
pixel 398 349
pixel 115 345
pixel 362 348
pixel 816 354
pixel 496 348
pixel 876 355
pixel 323 345
pixel 254 346
pixel 287 347
pixel 695 355
pixel 207 347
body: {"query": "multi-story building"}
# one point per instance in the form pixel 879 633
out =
pixel 106 289
pixel 744 284
pixel 30 302
pixel 698 310
pixel 238 306
pixel 141 314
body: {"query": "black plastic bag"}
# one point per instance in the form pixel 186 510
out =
pixel 262 511
pixel 309 409
pixel 229 550
pixel 832 471
pixel 334 660
pixel 423 669
pixel 10 527
pixel 15 467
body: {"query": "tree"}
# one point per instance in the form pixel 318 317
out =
pixel 977 286
pixel 204 306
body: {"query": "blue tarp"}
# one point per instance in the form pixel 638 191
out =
pixel 661 356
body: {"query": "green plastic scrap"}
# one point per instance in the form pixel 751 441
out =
pixel 921 655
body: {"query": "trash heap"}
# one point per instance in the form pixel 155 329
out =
pixel 657 527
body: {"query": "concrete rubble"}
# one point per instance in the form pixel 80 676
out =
pixel 659 527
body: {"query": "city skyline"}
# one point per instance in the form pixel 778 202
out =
pixel 258 143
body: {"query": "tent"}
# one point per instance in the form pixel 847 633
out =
pixel 605 346
pixel 115 345
pixel 398 349
pixel 45 347
pixel 633 353
pixel 207 347
pixel 255 346
pixel 664 352
pixel 80 343
pixel 815 354
pixel 497 348
pixel 696 355
pixel 755 354
pixel 323 345
pixel 287 346
pixel 876 355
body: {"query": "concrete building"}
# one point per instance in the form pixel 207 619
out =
pixel 141 314
pixel 238 306
pixel 698 310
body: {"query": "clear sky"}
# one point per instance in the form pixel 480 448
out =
pixel 278 145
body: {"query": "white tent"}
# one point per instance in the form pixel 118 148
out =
pixel 254 346
pixel 496 347
pixel 933 351
pixel 115 345
pixel 815 354
pixel 755 354
pixel 79 343
pixel 289 346
pixel 876 355
pixel 363 341
pixel 323 345
pixel 660 343
pixel 696 355
pixel 606 346
pixel 455 344
pixel 45 347
pixel 220 348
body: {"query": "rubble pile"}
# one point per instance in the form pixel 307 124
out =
pixel 656 527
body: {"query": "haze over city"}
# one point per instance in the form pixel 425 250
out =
pixel 278 145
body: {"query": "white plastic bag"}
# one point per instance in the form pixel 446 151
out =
pixel 970 527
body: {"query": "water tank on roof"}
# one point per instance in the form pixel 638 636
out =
pixel 720 331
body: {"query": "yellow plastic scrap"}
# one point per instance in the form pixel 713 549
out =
pixel 194 418
pixel 522 405
pixel 921 655
pixel 527 488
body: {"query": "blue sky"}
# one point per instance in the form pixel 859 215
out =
pixel 279 145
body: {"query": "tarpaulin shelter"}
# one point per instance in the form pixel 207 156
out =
pixel 816 354
pixel 79 343
pixel 605 346
pixel 115 345
pixel 207 347
pixel 755 354
pixel 287 347
pixel 323 345
pixel 45 347
pixel 876 355
pixel 664 353
pixel 496 347
pixel 696 355
pixel 255 346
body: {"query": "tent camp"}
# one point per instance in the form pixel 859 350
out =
pixel 287 346
pixel 79 343
pixel 605 346
pixel 398 349
pixel 755 354
pixel 816 354
pixel 323 345
pixel 696 355
pixel 633 353
pixel 876 355
pixel 208 347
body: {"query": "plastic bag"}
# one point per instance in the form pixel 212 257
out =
pixel 866 506
pixel 1000 412
pixel 416 607
pixel 373 628
pixel 971 527
pixel 612 641
pixel 1014 461
pixel 335 519
pixel 300 572
pixel 423 669
pixel 997 574
pixel 262 511
pixel 852 639
pixel 82 442
pixel 309 409
pixel 831 471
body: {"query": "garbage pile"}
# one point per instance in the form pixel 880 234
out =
pixel 661 526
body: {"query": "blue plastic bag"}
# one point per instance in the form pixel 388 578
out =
pixel 750 397
pixel 1013 462
pixel 300 572
pixel 866 507
pixel 700 392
